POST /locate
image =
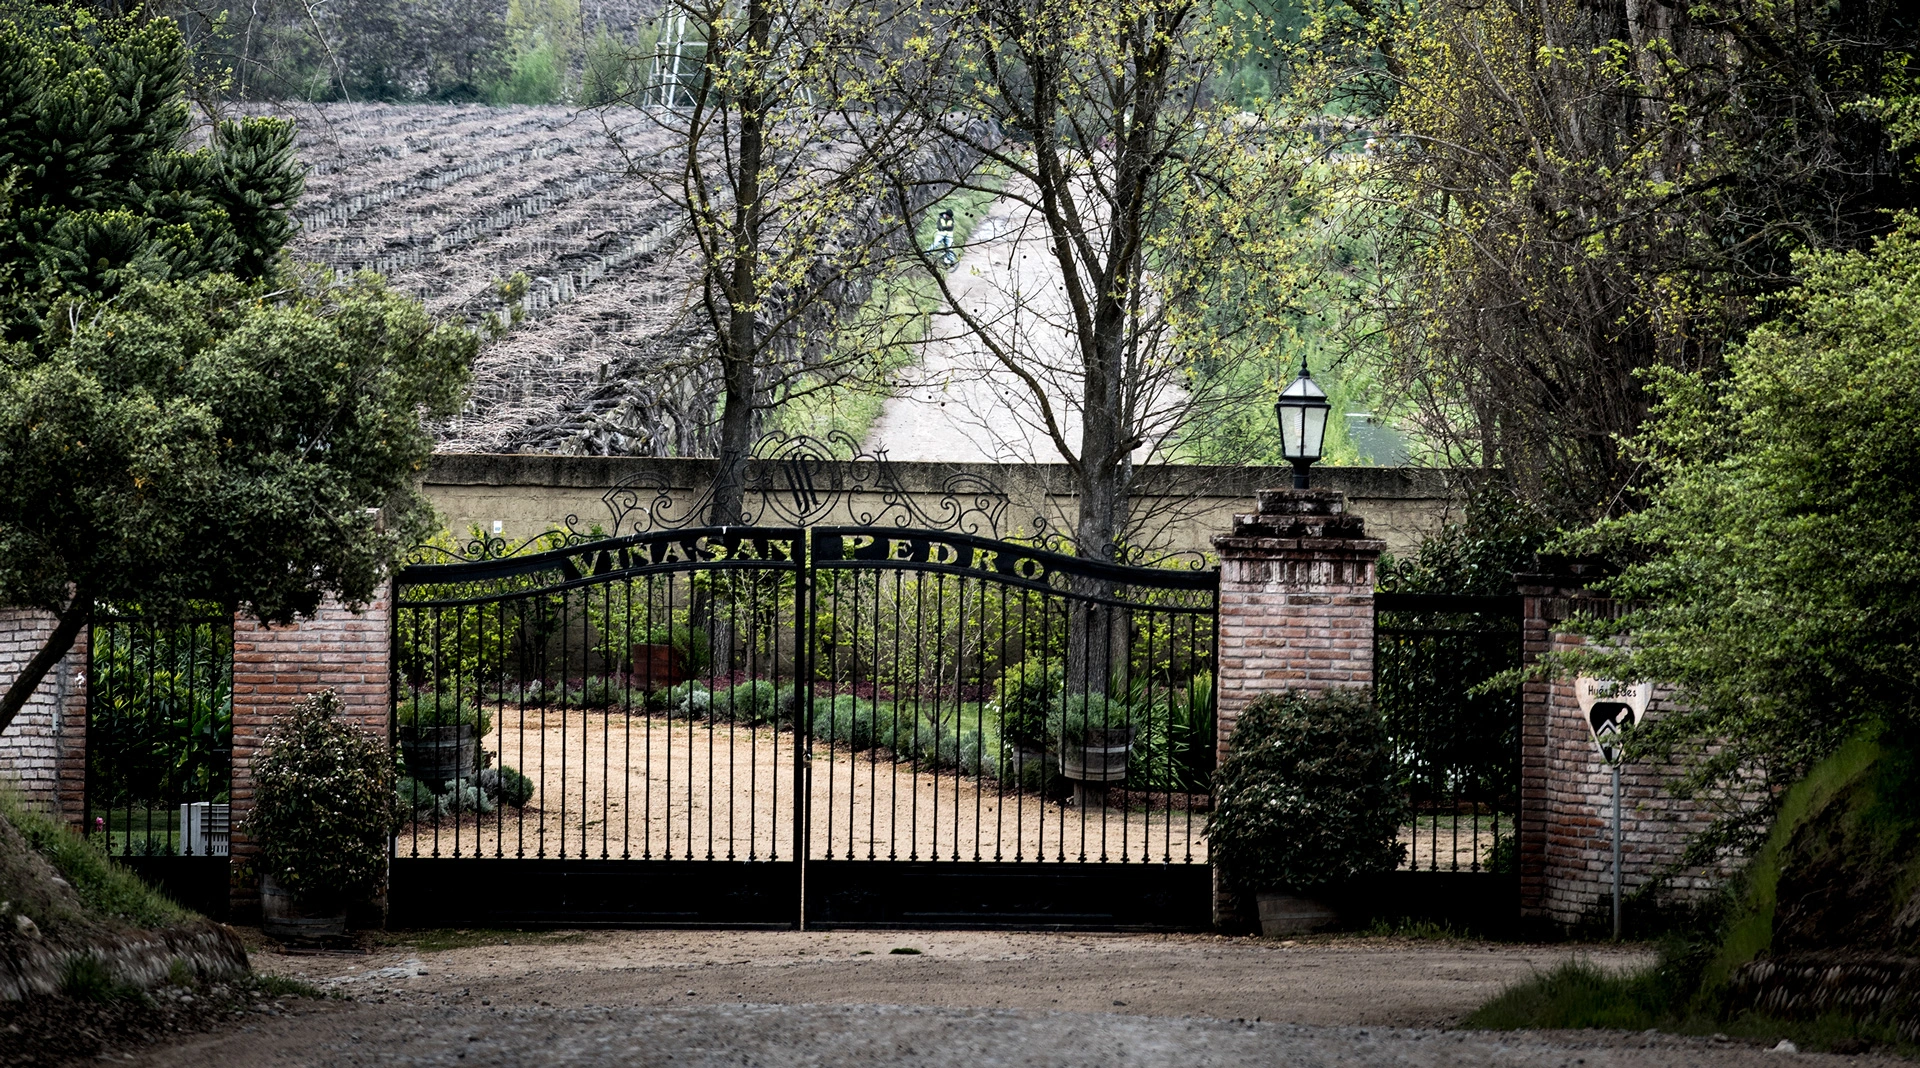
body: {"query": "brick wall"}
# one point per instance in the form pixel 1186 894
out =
pixel 1577 814
pixel 273 667
pixel 1296 601
pixel 1566 805
pixel 1296 613
pixel 43 751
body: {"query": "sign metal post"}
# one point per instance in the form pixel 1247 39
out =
pixel 1610 708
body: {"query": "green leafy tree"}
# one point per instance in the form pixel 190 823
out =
pixel 1776 572
pixel 1566 194
pixel 101 186
pixel 183 417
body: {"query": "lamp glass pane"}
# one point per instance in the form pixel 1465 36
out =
pixel 1291 430
pixel 1313 432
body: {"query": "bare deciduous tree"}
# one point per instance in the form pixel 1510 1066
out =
pixel 782 152
pixel 1153 208
pixel 1569 194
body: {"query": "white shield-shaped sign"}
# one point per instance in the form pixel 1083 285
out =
pixel 1609 708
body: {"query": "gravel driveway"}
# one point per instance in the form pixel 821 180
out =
pixel 965 999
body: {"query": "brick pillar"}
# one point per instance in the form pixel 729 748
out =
pixel 43 753
pixel 347 652
pixel 1296 613
pixel 1566 790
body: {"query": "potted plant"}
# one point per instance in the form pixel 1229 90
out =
pixel 440 735
pixel 668 656
pixel 1306 800
pixel 324 807
pixel 1095 737
pixel 1022 699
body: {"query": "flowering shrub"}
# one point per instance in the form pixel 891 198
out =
pixel 325 804
pixel 1308 795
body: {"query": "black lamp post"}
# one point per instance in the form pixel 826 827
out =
pixel 1302 411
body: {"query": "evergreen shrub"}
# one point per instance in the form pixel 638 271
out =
pixel 1308 796
pixel 325 803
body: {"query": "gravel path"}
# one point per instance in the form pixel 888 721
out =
pixel 966 999
pixel 959 404
pixel 934 1038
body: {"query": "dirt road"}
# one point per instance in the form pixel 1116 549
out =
pixel 960 404
pixel 831 998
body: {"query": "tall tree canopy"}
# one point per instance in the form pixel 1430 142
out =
pixel 1777 566
pixel 1168 214
pixel 1569 192
pixel 184 416
pixel 102 186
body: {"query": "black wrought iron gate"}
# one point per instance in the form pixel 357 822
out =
pixel 160 750
pixel 827 725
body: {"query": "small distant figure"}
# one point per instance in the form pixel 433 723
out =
pixel 943 239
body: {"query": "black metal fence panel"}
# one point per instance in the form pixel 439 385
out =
pixel 1457 741
pixel 160 750
pixel 978 700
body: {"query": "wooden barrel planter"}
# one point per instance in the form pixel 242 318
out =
pixel 1101 758
pixel 438 755
pixel 282 917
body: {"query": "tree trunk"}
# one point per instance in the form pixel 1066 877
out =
pixel 740 348
pixel 21 689
pixel 1098 644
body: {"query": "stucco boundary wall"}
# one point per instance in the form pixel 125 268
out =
pixel 1177 508
pixel 1566 845
pixel 43 752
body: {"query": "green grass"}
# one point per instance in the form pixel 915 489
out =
pixel 1418 930
pixel 103 886
pixel 441 938
pixel 1579 996
pixel 900 307
pixel 87 978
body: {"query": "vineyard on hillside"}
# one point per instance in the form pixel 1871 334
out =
pixel 446 201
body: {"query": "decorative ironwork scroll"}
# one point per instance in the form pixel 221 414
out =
pixel 801 481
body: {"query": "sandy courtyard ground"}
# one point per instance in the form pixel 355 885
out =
pixel 965 999
pixel 610 785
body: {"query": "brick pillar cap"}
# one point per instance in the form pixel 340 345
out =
pixel 1289 501
pixel 1313 520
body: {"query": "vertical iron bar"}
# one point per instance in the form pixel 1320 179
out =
pixel 804 623
pixel 646 784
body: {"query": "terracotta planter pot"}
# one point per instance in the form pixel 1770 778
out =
pixel 1102 757
pixel 436 755
pixel 283 918
pixel 1283 914
pixel 658 666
